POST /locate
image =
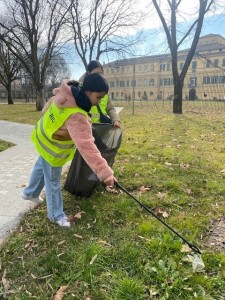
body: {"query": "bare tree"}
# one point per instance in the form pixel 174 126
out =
pixel 170 28
pixel 9 70
pixel 103 26
pixel 57 71
pixel 34 27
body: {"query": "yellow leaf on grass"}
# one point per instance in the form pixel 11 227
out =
pixel 60 293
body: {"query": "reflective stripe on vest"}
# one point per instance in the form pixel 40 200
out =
pixel 55 152
pixel 95 116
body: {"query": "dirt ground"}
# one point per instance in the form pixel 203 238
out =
pixel 216 237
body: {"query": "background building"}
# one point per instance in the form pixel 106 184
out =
pixel 150 77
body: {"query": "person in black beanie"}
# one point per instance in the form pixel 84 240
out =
pixel 104 111
pixel 65 122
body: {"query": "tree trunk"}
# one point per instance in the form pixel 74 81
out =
pixel 9 91
pixel 177 102
pixel 39 99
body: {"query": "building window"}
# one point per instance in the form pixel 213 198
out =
pixel 145 68
pixel 162 67
pixel 122 83
pixel 128 69
pixel 167 81
pixel 139 82
pixel 151 81
pixel 112 84
pixel 194 65
pixel 145 82
pixel 222 79
pixel 140 68
pixel 152 68
pixel 214 79
pixel 161 81
pixel 121 94
pixel 223 62
pixel 133 83
pixel 139 94
pixel 128 83
pixel 181 65
pixel 206 80
pixel 117 83
pixel 216 61
pixel 208 63
pixel 193 81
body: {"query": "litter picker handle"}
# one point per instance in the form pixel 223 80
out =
pixel 193 247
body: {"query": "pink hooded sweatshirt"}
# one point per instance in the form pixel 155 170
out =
pixel 78 128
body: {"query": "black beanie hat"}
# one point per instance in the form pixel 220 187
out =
pixel 95 83
pixel 93 65
pixel 92 83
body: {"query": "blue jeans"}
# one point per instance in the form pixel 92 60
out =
pixel 44 174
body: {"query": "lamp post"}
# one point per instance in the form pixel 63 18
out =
pixel 133 92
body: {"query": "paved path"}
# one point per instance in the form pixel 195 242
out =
pixel 16 164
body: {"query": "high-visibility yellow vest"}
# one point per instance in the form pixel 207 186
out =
pixel 95 115
pixel 55 152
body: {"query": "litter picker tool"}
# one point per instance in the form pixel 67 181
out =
pixel 193 247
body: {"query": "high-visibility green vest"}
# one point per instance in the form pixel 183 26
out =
pixel 95 115
pixel 55 152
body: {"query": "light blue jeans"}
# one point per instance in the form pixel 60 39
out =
pixel 43 174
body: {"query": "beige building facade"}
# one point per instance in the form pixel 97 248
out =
pixel 150 77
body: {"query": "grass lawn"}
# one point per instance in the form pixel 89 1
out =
pixel 175 165
pixel 5 145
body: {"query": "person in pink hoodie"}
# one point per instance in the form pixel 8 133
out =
pixel 65 123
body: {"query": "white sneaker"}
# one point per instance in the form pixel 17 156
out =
pixel 63 222
pixel 37 200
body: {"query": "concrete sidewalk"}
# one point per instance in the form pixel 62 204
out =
pixel 16 164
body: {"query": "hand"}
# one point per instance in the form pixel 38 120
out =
pixel 110 181
pixel 116 124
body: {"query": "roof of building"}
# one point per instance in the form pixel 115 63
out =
pixel 207 43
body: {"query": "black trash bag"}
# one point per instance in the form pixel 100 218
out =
pixel 81 180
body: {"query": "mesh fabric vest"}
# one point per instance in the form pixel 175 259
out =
pixel 55 152
pixel 95 115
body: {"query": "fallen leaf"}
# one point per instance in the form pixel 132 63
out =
pixel 111 190
pixel 104 243
pixel 93 259
pixel 187 190
pixel 160 195
pixel 79 214
pixel 168 164
pixel 185 249
pixel 144 189
pixel 161 212
pixel 5 282
pixel 60 293
pixel 78 236
pixel 61 242
pixel 21 185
